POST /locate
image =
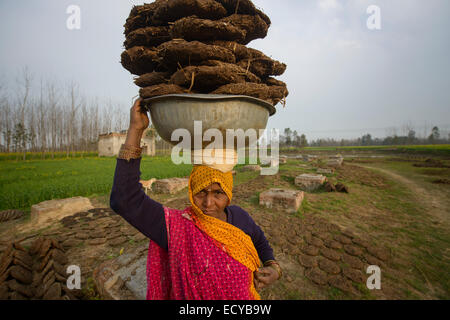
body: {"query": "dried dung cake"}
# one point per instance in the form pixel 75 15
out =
pixel 160 90
pixel 151 79
pixel 150 37
pixel 193 28
pixel 272 94
pixel 180 53
pixel 140 60
pixel 209 78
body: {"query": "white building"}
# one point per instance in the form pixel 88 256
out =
pixel 109 144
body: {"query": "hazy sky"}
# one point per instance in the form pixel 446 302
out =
pixel 344 79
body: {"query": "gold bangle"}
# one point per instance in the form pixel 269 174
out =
pixel 128 152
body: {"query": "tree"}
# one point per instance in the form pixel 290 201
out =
pixel 287 134
pixel 303 141
pixel 295 139
pixel 366 140
pixel 71 119
pixel 6 124
pixel 151 132
pixel 53 113
pixel 42 127
pixel 435 135
pixel 411 136
pixel 23 94
pixel 20 139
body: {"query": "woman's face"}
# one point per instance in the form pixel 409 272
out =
pixel 212 200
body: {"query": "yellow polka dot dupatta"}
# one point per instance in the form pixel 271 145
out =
pixel 233 240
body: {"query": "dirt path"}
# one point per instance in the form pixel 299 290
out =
pixel 437 208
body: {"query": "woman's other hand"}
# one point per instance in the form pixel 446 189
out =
pixel 138 117
pixel 265 276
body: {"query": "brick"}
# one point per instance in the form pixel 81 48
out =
pixel 286 200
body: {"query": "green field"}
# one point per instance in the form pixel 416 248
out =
pixel 439 150
pixel 24 183
pixel 47 155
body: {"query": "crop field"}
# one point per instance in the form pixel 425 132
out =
pixel 438 150
pixel 25 183
pixel 15 156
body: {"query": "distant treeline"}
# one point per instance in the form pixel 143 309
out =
pixel 292 139
pixel 47 117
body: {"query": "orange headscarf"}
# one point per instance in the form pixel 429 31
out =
pixel 230 238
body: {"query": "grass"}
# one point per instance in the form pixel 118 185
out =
pixel 366 293
pixel 441 149
pixel 305 208
pixel 426 242
pixel 244 177
pixel 407 224
pixel 90 291
pixel 25 183
pixel 328 203
pixel 294 295
pixel 336 294
pixel 46 156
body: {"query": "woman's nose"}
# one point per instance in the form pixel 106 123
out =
pixel 208 200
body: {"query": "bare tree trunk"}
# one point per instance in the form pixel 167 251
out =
pixel 107 113
pixel 95 124
pixel 71 119
pixel 6 127
pixel 42 127
pixel 53 116
pixel 32 128
pixel 84 127
pixel 66 137
pixel 23 100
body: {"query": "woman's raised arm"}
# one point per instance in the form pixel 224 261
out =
pixel 127 197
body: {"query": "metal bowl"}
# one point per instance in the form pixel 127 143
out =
pixel 222 112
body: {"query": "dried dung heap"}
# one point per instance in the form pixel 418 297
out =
pixel 199 46
pixel 37 273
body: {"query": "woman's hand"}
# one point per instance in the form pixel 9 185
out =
pixel 138 117
pixel 265 276
pixel 138 123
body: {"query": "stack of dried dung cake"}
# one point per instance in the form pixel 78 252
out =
pixel 199 46
pixel 16 273
pixel 39 273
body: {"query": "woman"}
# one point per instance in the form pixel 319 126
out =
pixel 210 250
